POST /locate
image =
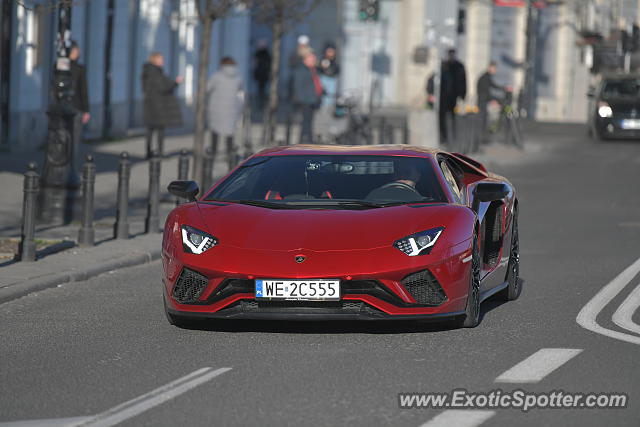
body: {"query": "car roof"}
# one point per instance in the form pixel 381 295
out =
pixel 392 150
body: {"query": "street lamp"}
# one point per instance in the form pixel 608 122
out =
pixel 60 180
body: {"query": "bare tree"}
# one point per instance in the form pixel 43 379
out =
pixel 280 16
pixel 208 12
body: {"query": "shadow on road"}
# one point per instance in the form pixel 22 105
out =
pixel 337 327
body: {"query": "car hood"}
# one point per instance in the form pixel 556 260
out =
pixel 261 228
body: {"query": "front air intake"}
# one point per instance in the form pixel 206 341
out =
pixel 189 287
pixel 424 288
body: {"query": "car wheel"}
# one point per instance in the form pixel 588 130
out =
pixel 175 320
pixel 472 311
pixel 514 289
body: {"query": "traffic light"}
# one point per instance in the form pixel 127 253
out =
pixel 369 10
pixel 462 20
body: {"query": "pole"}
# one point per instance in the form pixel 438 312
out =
pixel 86 235
pixel 121 227
pixel 208 169
pixel 27 248
pixel 152 224
pixel 183 172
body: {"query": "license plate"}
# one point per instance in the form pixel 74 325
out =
pixel 298 290
pixel 630 124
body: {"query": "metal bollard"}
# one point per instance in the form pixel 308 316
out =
pixel 405 132
pixel 183 171
pixel 27 249
pixel 381 131
pixel 121 227
pixel 86 234
pixel 208 170
pixel 152 222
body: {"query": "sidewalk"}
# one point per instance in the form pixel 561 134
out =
pixel 106 157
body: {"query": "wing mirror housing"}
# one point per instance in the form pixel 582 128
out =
pixel 488 192
pixel 184 189
pixel 591 93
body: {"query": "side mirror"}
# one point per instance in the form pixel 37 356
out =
pixel 488 192
pixel 591 93
pixel 184 189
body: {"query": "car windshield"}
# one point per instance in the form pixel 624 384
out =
pixel 627 88
pixel 331 182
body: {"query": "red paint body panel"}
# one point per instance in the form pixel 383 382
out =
pixel 258 242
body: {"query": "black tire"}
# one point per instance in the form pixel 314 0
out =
pixel 471 317
pixel 175 320
pixel 513 291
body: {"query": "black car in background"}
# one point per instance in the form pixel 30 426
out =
pixel 614 107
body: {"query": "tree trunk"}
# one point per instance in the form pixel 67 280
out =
pixel 271 118
pixel 201 97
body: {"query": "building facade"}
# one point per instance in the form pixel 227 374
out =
pixel 115 39
pixel 384 62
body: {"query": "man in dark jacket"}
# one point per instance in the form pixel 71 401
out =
pixel 306 94
pixel 453 86
pixel 262 71
pixel 161 107
pixel 485 95
pixel 79 98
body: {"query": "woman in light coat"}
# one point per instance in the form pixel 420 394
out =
pixel 225 99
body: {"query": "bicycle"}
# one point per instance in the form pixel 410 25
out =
pixel 358 128
pixel 509 122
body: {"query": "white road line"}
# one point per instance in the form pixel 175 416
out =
pixel 459 418
pixel 587 316
pixel 154 398
pixel 53 422
pixel 623 316
pixel 537 366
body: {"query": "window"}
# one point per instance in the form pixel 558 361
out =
pixel 376 180
pixel 451 181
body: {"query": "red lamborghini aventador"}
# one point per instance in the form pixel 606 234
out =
pixel 335 232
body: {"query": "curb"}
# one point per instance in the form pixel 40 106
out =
pixel 27 287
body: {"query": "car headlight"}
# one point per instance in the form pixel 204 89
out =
pixel 195 241
pixel 604 110
pixel 419 243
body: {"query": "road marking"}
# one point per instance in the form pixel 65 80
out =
pixel 154 398
pixel 623 316
pixel 54 422
pixel 459 418
pixel 587 316
pixel 537 366
pixel 629 224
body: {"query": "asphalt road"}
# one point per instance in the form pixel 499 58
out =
pixel 102 350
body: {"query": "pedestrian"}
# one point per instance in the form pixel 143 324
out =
pixel 453 87
pixel 225 98
pixel 431 91
pixel 302 49
pixel 161 107
pixel 262 71
pixel 307 93
pixel 79 99
pixel 329 71
pixel 486 88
